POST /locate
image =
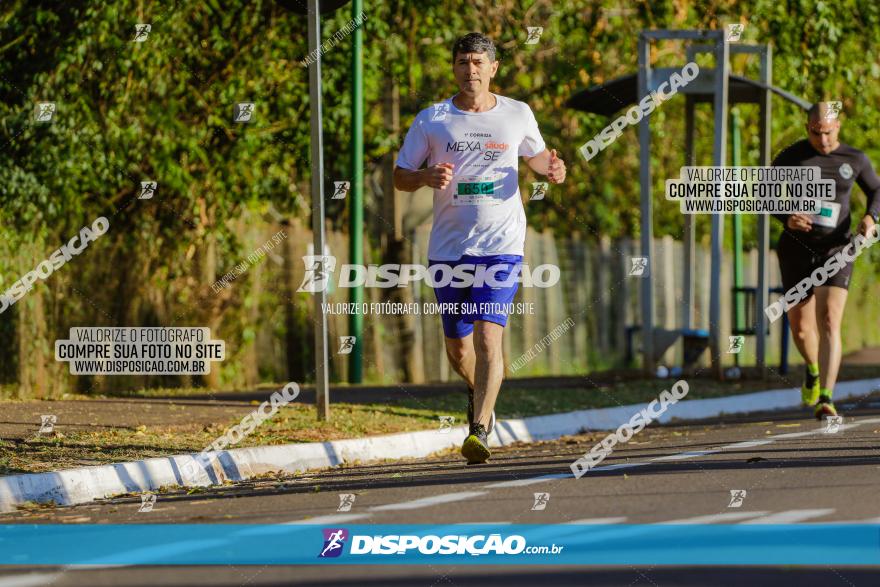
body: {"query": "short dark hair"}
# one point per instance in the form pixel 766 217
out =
pixel 474 43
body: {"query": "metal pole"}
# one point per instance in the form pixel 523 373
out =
pixel 719 155
pixel 322 399
pixel 690 157
pixel 762 296
pixel 738 302
pixel 647 209
pixel 356 209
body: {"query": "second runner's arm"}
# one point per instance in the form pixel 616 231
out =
pixel 870 184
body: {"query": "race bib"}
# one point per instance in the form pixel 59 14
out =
pixel 828 215
pixel 476 190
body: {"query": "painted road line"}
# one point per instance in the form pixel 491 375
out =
pixel 746 444
pixel 791 516
pixel 528 481
pixel 428 501
pixel 331 519
pixel 686 455
pixel 598 521
pixel 716 518
pixel 29 580
pixel 617 466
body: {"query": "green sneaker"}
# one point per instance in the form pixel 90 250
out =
pixel 824 408
pixel 476 446
pixel 810 389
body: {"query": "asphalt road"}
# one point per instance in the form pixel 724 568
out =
pixel 791 469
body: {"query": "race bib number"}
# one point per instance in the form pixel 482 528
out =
pixel 828 215
pixel 476 190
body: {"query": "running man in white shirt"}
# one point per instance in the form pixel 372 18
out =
pixel 472 142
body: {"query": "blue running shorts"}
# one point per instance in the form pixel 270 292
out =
pixel 480 301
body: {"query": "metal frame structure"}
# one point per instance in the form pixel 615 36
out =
pixel 710 85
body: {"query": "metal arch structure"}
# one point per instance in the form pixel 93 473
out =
pixel 718 86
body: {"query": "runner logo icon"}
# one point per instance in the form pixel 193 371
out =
pixel 319 268
pixel 334 542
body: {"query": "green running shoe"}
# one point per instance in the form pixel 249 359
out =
pixel 476 446
pixel 824 408
pixel 810 389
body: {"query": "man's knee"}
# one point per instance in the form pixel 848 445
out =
pixel 457 352
pixel 487 341
pixel 829 323
pixel 800 333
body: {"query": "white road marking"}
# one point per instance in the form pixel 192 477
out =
pixel 716 518
pixel 331 519
pixel 617 466
pixel 686 455
pixel 529 481
pixel 428 501
pixel 794 434
pixel 747 444
pixel 29 580
pixel 598 521
pixel 791 516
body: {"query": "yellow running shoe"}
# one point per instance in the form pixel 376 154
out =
pixel 810 389
pixel 824 408
pixel 476 446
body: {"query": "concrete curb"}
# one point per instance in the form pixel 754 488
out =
pixel 74 486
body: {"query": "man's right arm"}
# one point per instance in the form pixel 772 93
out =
pixel 408 180
pixel 795 222
pixel 436 176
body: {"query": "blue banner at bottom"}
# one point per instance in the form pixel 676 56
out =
pixel 301 544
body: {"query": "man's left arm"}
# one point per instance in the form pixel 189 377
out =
pixel 870 184
pixel 549 164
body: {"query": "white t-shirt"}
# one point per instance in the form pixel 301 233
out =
pixel 480 212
